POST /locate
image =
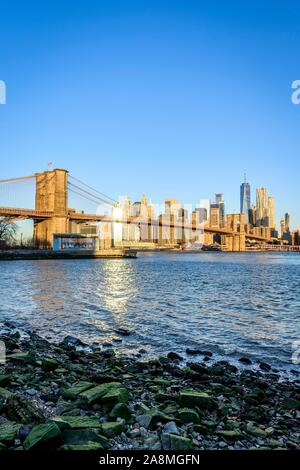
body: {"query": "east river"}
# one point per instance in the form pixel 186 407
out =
pixel 230 304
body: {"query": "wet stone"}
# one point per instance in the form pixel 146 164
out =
pixel 8 432
pixel 188 415
pixel 245 360
pixel 229 434
pixel 174 356
pixel 75 422
pixel 171 428
pixel 82 436
pixel 75 390
pixel 107 393
pixel 112 429
pixel 121 410
pixel 193 398
pixel 43 435
pixel 49 364
pixel 23 409
pixel 174 442
pixel 89 446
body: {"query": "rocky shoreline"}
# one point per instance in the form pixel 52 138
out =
pixel 64 397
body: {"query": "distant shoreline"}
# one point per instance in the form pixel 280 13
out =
pixel 14 255
pixel 17 255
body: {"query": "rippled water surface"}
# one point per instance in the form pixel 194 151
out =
pixel 229 303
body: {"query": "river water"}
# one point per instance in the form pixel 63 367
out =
pixel 231 304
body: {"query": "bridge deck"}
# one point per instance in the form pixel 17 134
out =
pixel 83 217
pixel 25 213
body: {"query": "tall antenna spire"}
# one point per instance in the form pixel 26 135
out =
pixel 245 177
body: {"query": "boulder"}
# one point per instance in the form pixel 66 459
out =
pixel 188 415
pixel 245 360
pixel 174 442
pixel 70 342
pixel 198 367
pixel 91 446
pixel 107 393
pixel 49 364
pixel 123 331
pixel 112 429
pixel 291 403
pixel 4 379
pixel 230 435
pixel 19 356
pixel 171 428
pixel 83 436
pixel 121 410
pixel 72 392
pixel 42 436
pixel 4 393
pixel 22 409
pixel 153 416
pixel 76 422
pixel 8 431
pixel 192 352
pixel 255 431
pixel 265 366
pixel 203 400
pixel 174 356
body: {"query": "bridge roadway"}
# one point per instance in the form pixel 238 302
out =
pixel 16 213
pixel 81 217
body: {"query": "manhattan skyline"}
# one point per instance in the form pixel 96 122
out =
pixel 151 99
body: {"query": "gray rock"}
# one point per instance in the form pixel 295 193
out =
pixel 171 428
pixel 245 360
pixel 174 356
pixel 144 420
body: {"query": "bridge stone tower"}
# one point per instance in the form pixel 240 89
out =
pixel 236 241
pixel 51 195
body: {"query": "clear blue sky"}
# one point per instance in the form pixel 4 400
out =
pixel 168 98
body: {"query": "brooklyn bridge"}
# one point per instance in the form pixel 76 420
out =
pixel 52 215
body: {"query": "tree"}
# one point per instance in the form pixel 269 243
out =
pixel 8 230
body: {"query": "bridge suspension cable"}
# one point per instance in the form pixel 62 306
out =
pixel 103 196
pixel 20 178
pixel 17 192
pixel 88 196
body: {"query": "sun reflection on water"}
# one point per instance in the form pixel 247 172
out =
pixel 118 287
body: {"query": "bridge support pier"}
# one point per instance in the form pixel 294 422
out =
pixel 236 241
pixel 51 195
pixel 44 230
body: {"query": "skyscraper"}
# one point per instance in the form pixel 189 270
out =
pixel 271 205
pixel 126 214
pixel 205 204
pixel 201 215
pixel 221 202
pixel 215 216
pixel 262 210
pixel 287 221
pixel 172 207
pixel 282 227
pixel 245 206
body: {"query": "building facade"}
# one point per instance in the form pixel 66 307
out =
pixel 245 200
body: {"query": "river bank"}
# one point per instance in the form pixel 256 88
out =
pixel 39 254
pixel 69 397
